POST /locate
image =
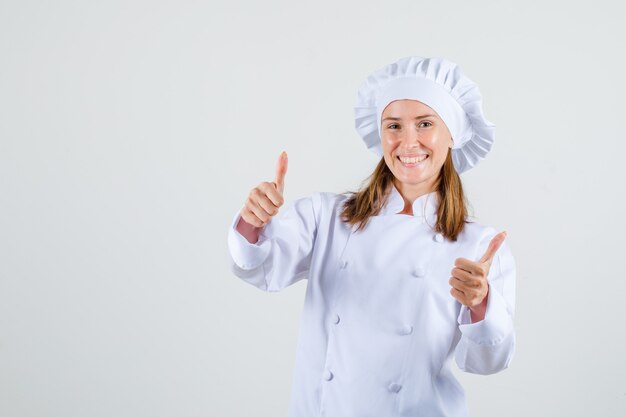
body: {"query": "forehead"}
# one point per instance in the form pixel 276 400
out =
pixel 399 108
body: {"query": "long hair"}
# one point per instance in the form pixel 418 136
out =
pixel 451 213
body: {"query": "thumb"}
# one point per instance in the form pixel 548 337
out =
pixel 281 170
pixel 494 245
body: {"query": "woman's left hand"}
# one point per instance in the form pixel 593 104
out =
pixel 469 279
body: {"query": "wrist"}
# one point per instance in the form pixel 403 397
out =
pixel 478 311
pixel 249 231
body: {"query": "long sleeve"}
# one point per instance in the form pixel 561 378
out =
pixel 487 346
pixel 282 255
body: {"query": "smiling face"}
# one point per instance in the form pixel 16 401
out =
pixel 415 144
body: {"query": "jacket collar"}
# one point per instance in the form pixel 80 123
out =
pixel 424 206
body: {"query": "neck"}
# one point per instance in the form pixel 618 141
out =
pixel 410 192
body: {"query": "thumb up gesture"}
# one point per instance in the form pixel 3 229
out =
pixel 265 199
pixel 469 279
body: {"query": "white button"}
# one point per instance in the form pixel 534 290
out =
pixel 408 329
pixel 344 263
pixel 419 271
pixel 393 387
pixel 439 237
pixel 336 319
pixel 328 375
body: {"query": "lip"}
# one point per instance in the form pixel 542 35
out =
pixel 417 164
pixel 412 156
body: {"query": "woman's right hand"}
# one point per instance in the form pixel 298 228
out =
pixel 263 203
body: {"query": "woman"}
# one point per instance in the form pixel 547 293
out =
pixel 399 280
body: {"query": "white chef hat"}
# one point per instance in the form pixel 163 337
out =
pixel 439 84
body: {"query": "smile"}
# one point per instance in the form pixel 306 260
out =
pixel 412 161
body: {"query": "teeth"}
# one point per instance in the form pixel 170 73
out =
pixel 413 160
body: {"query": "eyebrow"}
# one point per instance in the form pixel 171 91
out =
pixel 416 117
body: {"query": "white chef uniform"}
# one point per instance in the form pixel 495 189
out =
pixel 379 326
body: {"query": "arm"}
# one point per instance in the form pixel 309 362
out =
pixel 247 230
pixel 282 254
pixel 487 346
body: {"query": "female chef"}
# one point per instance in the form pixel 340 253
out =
pixel 399 280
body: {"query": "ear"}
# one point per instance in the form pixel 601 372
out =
pixel 451 143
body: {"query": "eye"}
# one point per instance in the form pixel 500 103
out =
pixel 429 123
pixel 393 124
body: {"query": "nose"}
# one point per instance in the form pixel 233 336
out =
pixel 412 138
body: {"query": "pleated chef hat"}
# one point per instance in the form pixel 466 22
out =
pixel 439 84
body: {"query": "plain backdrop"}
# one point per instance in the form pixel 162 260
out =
pixel 132 131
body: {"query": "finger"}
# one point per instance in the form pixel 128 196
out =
pixel 465 286
pixel 258 211
pixel 455 283
pixel 472 267
pixel 272 193
pixel 459 295
pixel 267 205
pixel 468 297
pixel 281 170
pixel 462 274
pixel 259 198
pixel 250 217
pixel 494 245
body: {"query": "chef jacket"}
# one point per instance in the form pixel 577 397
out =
pixel 380 326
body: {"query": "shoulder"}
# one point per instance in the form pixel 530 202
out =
pixel 320 204
pixel 331 204
pixel 327 206
pixel 330 199
pixel 474 231
pixel 480 235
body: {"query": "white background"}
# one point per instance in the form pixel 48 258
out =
pixel 131 133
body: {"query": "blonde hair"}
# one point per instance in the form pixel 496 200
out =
pixel 451 213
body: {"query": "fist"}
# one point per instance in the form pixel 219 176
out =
pixel 469 279
pixel 266 198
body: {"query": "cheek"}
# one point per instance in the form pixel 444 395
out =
pixel 439 145
pixel 389 145
pixel 389 141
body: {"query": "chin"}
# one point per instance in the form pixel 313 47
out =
pixel 412 178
